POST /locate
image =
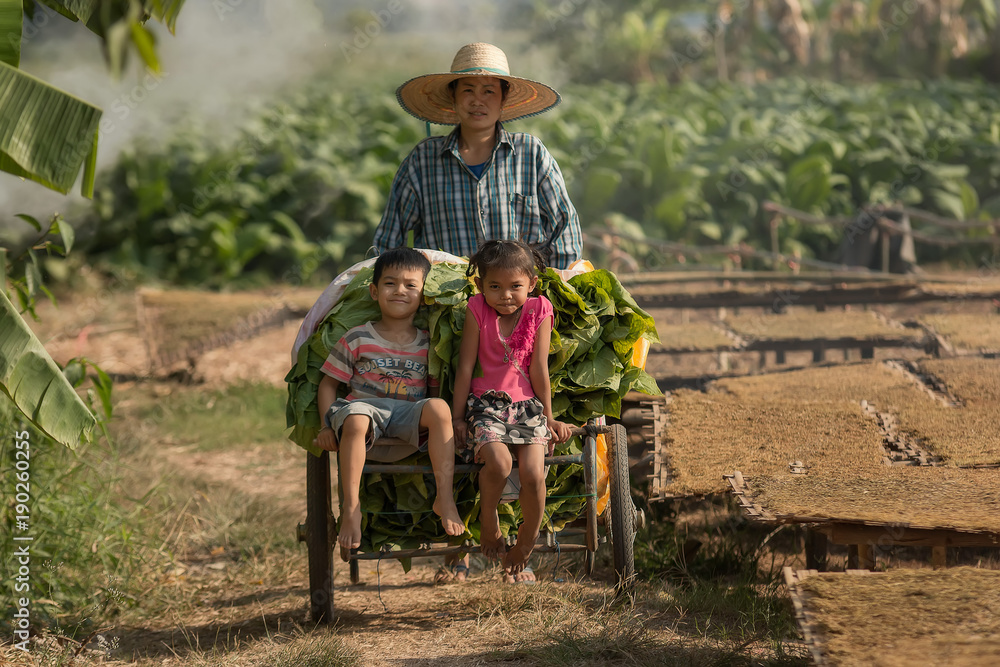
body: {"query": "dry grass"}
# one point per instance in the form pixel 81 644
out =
pixel 968 434
pixel 694 336
pixel 713 434
pixel 966 330
pixel 315 648
pixel 804 324
pixel 963 435
pixel 920 497
pixel 975 285
pixel 907 617
pixel 573 626
pixel 181 318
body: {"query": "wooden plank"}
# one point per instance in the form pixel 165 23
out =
pixel 896 293
pixel 894 535
pixel 817 550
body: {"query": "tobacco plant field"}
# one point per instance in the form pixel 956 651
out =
pixel 300 187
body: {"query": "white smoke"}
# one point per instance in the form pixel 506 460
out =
pixel 229 57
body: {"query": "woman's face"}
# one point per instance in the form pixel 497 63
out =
pixel 506 290
pixel 478 100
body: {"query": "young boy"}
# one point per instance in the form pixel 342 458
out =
pixel 384 363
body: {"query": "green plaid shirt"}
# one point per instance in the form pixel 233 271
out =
pixel 521 195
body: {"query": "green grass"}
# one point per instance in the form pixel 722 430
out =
pixel 719 581
pixel 235 416
pixel 87 529
pixel 314 649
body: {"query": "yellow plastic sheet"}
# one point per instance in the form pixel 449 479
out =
pixel 603 491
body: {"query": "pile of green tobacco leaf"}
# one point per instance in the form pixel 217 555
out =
pixel 597 324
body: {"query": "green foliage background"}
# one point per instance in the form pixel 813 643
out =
pixel 299 191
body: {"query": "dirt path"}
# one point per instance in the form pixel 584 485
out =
pixel 218 607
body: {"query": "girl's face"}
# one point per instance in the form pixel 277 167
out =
pixel 506 290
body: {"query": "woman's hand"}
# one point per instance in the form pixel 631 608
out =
pixel 327 440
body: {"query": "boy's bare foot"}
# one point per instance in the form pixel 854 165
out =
pixel 517 558
pixel 491 539
pixel 350 530
pixel 445 508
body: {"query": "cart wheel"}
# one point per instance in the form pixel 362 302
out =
pixel 623 514
pixel 319 519
pixel 355 572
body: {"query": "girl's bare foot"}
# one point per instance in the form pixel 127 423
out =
pixel 517 558
pixel 525 576
pixel 350 530
pixel 445 508
pixel 491 539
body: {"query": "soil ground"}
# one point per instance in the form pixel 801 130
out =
pixel 224 611
pixel 240 611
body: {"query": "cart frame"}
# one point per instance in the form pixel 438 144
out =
pixel 620 519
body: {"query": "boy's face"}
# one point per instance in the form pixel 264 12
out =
pixel 399 292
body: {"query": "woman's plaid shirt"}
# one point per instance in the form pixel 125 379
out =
pixel 521 195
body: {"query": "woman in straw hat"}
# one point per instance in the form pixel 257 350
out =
pixel 480 182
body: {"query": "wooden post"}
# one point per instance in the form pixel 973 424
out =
pixel 852 556
pixel 779 357
pixel 866 556
pixel 817 550
pixel 884 236
pixel 723 361
pixel 818 354
pixel 775 261
pixel 939 557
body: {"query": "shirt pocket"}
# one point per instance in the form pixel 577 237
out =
pixel 526 219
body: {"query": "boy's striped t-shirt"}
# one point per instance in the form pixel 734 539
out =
pixel 374 367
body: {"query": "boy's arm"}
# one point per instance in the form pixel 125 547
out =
pixel 325 396
pixel 467 355
pixel 542 385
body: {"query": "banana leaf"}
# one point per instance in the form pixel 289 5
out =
pixel 36 385
pixel 46 135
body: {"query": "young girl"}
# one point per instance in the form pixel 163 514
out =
pixel 503 370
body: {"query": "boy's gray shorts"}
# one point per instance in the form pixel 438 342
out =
pixel 390 418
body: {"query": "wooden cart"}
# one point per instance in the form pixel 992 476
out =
pixel 616 525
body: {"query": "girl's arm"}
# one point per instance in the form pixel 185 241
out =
pixel 541 384
pixel 467 355
pixel 325 396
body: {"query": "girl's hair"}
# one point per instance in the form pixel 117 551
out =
pixel 511 255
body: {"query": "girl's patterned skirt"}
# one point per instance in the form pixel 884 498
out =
pixel 494 417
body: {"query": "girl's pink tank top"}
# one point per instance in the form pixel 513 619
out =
pixel 507 367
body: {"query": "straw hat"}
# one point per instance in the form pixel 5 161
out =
pixel 428 98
